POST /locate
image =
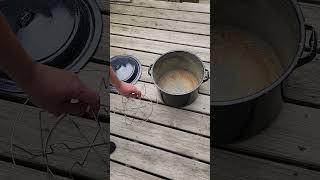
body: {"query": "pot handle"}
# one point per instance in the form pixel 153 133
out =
pixel 149 70
pixel 313 43
pixel 206 75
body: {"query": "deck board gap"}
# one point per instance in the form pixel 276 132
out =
pixel 160 41
pixel 160 148
pixel 138 169
pixel 193 33
pixel 269 157
pixel 160 18
pixel 164 125
pixel 153 101
pixel 134 5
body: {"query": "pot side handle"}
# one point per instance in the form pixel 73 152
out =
pixel 206 76
pixel 313 43
pixel 149 70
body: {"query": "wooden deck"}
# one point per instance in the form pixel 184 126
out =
pixel 174 143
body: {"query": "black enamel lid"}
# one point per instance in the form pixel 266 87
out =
pixel 58 33
pixel 127 69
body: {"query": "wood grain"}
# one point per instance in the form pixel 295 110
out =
pixel 161 13
pixel 155 46
pixel 121 172
pixel 157 161
pixel 180 142
pixel 230 166
pixel 161 35
pixel 17 172
pixel 171 5
pixel 27 136
pixel 150 46
pixel 163 24
pixel 293 137
pixel 171 117
pixel 304 85
pixel 134 154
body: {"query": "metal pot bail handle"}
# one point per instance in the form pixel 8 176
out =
pixel 206 75
pixel 149 70
pixel 313 44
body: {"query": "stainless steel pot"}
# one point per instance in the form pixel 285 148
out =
pixel 252 100
pixel 178 76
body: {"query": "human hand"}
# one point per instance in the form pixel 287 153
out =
pixel 54 89
pixel 128 90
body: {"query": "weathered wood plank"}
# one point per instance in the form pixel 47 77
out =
pixel 191 7
pixel 162 24
pixel 316 2
pixel 230 166
pixel 171 5
pixel 120 1
pixel 161 13
pixel 176 118
pixel 204 2
pixel 65 133
pixel 120 172
pixel 166 138
pixel 294 137
pixel 27 136
pixel 9 171
pixel 63 160
pixel 133 154
pixel 153 46
pixel 145 45
pixel 157 161
pixel 304 84
pixel 161 35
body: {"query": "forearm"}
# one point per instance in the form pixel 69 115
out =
pixel 115 81
pixel 14 61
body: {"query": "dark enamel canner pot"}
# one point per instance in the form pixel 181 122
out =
pixel 57 33
pixel 280 25
pixel 178 76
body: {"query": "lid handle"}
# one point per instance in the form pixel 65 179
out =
pixel 26 18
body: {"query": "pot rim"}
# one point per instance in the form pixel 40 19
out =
pixel 287 72
pixel 139 73
pixel 175 51
pixel 94 38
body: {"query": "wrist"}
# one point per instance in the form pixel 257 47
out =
pixel 25 77
pixel 118 84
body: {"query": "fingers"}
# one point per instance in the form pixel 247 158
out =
pixel 90 98
pixel 135 93
pixel 132 92
pixel 138 93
